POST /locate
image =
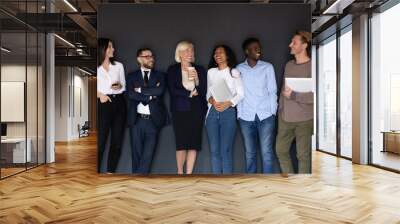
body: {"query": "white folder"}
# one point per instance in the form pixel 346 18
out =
pixel 300 84
pixel 220 91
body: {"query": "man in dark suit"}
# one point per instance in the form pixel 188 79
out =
pixel 147 113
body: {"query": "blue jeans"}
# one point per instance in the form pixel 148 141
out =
pixel 264 133
pixel 221 130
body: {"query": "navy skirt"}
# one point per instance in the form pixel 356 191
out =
pixel 188 127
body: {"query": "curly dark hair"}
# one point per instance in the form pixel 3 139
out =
pixel 230 56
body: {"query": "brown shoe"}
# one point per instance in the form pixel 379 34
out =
pixel 284 174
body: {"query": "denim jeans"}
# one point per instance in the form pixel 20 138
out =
pixel 262 132
pixel 221 130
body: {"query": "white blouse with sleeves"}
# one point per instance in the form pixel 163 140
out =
pixel 232 79
pixel 105 79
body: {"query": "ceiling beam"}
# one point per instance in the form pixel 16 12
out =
pixel 78 61
pixel 81 21
pixel 89 30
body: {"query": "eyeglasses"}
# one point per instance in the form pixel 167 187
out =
pixel 147 56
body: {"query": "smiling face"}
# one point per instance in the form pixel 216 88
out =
pixel 220 56
pixel 146 59
pixel 110 50
pixel 297 46
pixel 187 54
pixel 253 51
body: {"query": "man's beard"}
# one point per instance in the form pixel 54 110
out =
pixel 148 66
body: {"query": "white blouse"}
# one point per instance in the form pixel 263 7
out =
pixel 233 81
pixel 106 79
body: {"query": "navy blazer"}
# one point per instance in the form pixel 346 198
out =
pixel 155 88
pixel 179 96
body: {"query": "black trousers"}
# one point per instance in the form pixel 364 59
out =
pixel 111 116
pixel 144 136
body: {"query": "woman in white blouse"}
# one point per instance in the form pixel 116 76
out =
pixel 111 104
pixel 221 116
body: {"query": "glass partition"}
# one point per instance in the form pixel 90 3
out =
pixel 13 95
pixel 31 98
pixel 327 95
pixel 22 64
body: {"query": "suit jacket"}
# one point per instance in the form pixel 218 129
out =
pixel 155 88
pixel 179 96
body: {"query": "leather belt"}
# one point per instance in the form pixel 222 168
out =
pixel 114 95
pixel 144 116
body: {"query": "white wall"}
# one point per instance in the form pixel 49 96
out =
pixel 14 73
pixel 33 127
pixel 17 73
pixel 71 93
pixel 80 103
pixel 61 103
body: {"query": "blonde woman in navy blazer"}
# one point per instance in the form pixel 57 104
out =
pixel 187 84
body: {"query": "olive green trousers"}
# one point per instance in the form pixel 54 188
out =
pixel 287 132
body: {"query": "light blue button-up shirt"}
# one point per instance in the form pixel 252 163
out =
pixel 260 91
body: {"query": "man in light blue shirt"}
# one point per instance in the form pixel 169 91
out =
pixel 257 110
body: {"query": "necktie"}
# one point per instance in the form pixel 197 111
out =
pixel 146 78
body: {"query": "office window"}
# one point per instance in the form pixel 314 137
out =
pixel 327 95
pixel 346 92
pixel 385 88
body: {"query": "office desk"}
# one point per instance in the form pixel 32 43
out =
pixel 391 141
pixel 13 150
